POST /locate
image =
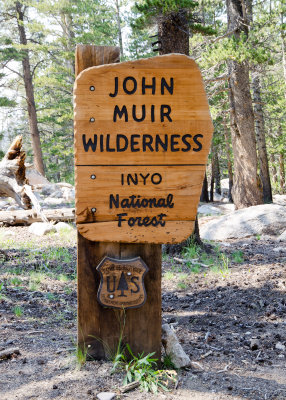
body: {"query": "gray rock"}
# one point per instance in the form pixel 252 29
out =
pixel 282 237
pixel 56 194
pixel 13 208
pixel 35 178
pixel 279 249
pixel 41 228
pixel 53 202
pixel 63 226
pixel 280 346
pixel 3 204
pixel 47 190
pixel 173 348
pixel 267 219
pixel 68 194
pixel 106 396
pixel 208 209
pixel 254 344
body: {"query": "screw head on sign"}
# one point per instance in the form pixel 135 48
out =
pixel 128 273
pixel 92 88
pixel 93 209
pixel 111 296
pixel 91 120
pixel 92 176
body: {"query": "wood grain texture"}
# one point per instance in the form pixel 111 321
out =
pixel 182 183
pixel 177 232
pixel 99 327
pixel 107 146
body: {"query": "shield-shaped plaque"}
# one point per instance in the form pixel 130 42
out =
pixel 122 283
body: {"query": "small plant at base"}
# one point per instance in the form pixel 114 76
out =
pixel 80 355
pixel 18 311
pixel 237 256
pixel 140 369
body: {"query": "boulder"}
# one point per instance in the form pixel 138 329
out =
pixel 35 178
pixel 282 237
pixel 208 209
pixel 63 226
pixel 267 219
pixel 173 348
pixel 41 228
pixel 48 189
pixel 68 194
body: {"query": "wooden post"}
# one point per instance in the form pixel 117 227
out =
pixel 99 327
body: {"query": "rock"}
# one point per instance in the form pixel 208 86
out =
pixel 3 204
pixel 217 197
pixel 58 194
pixel 173 348
pixel 47 190
pixel 63 226
pixel 280 199
pixel 106 396
pixel 8 233
pixel 208 209
pixel 68 194
pixel 282 237
pixel 254 344
pixel 263 219
pixel 279 249
pixel 41 228
pixel 35 178
pixel 54 202
pixel 13 208
pixel 280 346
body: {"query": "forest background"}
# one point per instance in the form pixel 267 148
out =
pixel 238 44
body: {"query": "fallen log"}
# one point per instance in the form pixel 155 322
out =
pixel 13 175
pixel 27 217
pixel 13 181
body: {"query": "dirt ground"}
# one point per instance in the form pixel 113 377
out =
pixel 230 317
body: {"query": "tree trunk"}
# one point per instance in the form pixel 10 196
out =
pixel 173 33
pixel 29 89
pixel 117 6
pixel 282 173
pixel 204 195
pixel 273 168
pixel 260 137
pixel 217 173
pixel 245 191
pixel 229 163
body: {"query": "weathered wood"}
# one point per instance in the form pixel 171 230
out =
pixel 118 152
pixel 13 174
pixel 27 217
pixel 99 327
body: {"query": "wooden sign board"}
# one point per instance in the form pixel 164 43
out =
pixel 142 136
pixel 122 283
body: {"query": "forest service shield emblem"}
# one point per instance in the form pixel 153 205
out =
pixel 122 283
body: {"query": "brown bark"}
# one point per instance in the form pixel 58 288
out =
pixel 273 168
pixel 282 173
pixel 229 163
pixel 173 33
pixel 117 6
pixel 205 195
pixel 260 138
pixel 29 90
pixel 246 191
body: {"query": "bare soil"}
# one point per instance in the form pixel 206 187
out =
pixel 217 313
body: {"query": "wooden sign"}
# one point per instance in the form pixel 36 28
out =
pixel 122 283
pixel 142 137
